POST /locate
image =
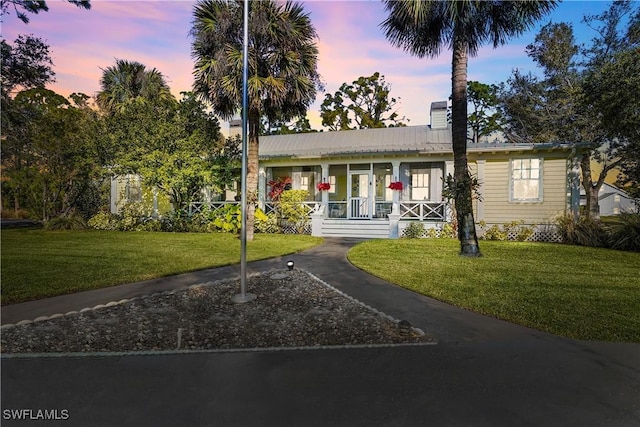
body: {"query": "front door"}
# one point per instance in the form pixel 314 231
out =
pixel 359 205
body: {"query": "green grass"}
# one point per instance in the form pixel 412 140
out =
pixel 38 264
pixel 572 291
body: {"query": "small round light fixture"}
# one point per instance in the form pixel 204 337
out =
pixel 290 265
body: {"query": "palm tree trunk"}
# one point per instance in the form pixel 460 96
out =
pixel 252 170
pixel 463 203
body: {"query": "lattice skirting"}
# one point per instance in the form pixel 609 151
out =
pixel 289 228
pixel 542 233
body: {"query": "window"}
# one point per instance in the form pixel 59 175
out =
pixel 419 184
pixel 526 180
pixel 304 183
pixel 332 183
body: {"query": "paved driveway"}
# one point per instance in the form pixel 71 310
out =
pixel 482 372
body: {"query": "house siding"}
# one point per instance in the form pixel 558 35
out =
pixel 495 190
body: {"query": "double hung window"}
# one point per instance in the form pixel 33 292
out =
pixel 526 180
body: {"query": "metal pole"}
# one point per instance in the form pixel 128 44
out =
pixel 243 296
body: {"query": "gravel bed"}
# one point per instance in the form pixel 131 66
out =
pixel 292 309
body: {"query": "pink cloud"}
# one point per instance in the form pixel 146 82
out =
pixel 155 33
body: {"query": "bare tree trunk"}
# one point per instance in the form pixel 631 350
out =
pixel 252 170
pixel 463 202
pixel 592 189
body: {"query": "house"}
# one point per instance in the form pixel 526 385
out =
pixel 534 183
pixel 612 200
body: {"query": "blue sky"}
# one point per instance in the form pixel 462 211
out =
pixel 351 44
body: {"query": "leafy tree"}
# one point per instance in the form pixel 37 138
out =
pixel 182 160
pixel 26 64
pixel 612 86
pixel 483 98
pixel 365 102
pixel 22 7
pixel 301 125
pixel 547 110
pixel 130 81
pixel 423 28
pixel 48 155
pixel 170 144
pixel 614 91
pixel 282 73
pixel 579 98
pixel 227 163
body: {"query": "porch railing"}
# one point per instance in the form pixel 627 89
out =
pixel 310 207
pixel 359 207
pixel 424 211
pixel 198 207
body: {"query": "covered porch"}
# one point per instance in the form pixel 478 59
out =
pixel 348 198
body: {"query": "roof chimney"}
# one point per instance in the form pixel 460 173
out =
pixel 439 115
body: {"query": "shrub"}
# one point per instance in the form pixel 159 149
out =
pixel 624 232
pixel 66 222
pixel 517 229
pixel 228 218
pixel 266 223
pixel 583 231
pixel 9 213
pixel 291 210
pixel 414 230
pixel 132 217
pixel 448 231
pixel 103 221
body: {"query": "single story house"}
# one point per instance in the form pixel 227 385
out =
pixel 612 200
pixel 533 183
pixel 530 182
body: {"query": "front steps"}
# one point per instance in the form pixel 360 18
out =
pixel 356 228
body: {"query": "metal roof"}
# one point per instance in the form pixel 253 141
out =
pixel 380 141
pixel 408 139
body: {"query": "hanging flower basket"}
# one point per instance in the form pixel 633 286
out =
pixel 396 186
pixel 324 186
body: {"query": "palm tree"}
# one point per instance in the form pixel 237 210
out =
pixel 423 28
pixel 127 81
pixel 283 59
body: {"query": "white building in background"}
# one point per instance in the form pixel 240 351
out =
pixel 612 200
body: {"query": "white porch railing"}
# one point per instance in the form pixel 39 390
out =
pixel 310 207
pixel 198 207
pixel 425 211
pixel 359 207
pixel 422 211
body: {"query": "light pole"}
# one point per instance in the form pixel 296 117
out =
pixel 243 296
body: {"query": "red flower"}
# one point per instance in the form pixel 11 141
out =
pixel 324 186
pixel 396 186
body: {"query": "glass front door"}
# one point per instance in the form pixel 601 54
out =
pixel 360 195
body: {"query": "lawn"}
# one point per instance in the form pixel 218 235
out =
pixel 572 291
pixel 38 263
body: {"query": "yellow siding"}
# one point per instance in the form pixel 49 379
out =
pixel 498 208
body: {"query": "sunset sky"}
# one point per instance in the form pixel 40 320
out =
pixel 351 44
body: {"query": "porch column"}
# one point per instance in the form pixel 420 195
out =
pixel 479 201
pixel 573 178
pixel 448 169
pixel 395 205
pixel 114 194
pixel 262 187
pixel 325 194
